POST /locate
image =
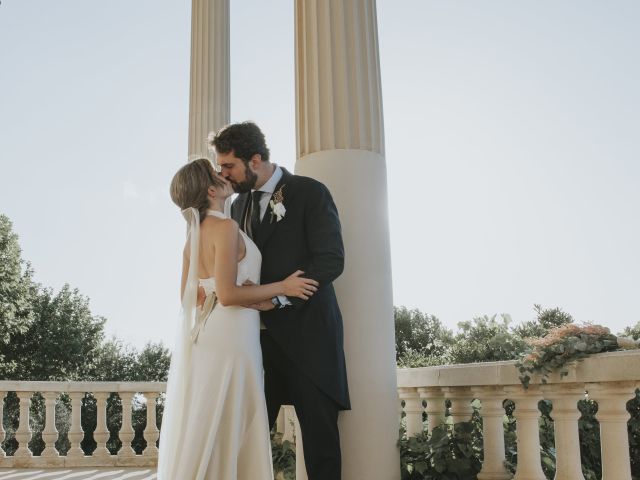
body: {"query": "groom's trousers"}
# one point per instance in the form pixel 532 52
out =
pixel 317 413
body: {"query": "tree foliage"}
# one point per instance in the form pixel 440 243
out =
pixel 421 339
pixel 16 291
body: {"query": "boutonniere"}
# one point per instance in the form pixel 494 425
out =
pixel 277 207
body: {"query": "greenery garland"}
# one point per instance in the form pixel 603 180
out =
pixel 562 346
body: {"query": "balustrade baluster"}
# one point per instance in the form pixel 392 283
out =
pixel 23 434
pixel 280 421
pixel 565 415
pixel 435 406
pixel 460 398
pixel 126 432
pixel 614 437
pixel 101 433
pixel 413 410
pixel 76 434
pixel 492 413
pixel 527 417
pixel 289 415
pixel 50 432
pixel 151 432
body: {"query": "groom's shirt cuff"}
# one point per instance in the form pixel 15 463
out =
pixel 283 300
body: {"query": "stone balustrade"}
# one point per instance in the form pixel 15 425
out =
pixel 610 379
pixel 67 404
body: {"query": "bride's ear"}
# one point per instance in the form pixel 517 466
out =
pixel 211 192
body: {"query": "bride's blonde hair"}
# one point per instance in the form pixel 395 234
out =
pixel 190 184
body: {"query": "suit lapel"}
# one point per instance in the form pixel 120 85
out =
pixel 269 222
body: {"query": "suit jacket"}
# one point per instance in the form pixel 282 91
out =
pixel 307 238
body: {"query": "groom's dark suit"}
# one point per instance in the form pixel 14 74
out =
pixel 303 343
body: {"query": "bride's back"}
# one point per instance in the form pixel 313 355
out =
pixel 207 257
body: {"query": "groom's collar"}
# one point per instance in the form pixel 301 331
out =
pixel 272 183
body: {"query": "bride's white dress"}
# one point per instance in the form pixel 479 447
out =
pixel 224 429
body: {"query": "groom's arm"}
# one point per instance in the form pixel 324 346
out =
pixel 324 238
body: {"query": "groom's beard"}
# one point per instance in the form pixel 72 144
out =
pixel 247 184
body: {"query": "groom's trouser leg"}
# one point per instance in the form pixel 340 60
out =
pixel 317 412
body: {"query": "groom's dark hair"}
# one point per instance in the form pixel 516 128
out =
pixel 243 139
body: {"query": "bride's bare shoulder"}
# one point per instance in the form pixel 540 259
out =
pixel 215 226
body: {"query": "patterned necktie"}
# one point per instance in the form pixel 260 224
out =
pixel 255 213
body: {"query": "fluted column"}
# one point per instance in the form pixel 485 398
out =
pixel 76 434
pixel 565 415
pixel 151 432
pixel 527 417
pixel 614 437
pixel 23 434
pixel 435 406
pixel 340 142
pixel 50 433
pixel 101 433
pixel 126 432
pixel 209 87
pixel 492 413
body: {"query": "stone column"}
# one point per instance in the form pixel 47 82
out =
pixel 413 410
pixel 209 88
pixel 50 433
pixel 126 431
pixel 492 413
pixel 565 416
pixel 101 433
pixel 23 433
pixel 614 437
pixel 340 142
pixel 528 432
pixel 151 432
pixel 460 398
pixel 435 406
pixel 76 433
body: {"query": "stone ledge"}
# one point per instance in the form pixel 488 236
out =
pixel 623 366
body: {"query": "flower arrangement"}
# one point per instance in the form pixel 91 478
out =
pixel 564 345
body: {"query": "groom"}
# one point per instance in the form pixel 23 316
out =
pixel 295 224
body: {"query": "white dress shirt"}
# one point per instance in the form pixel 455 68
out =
pixel 268 188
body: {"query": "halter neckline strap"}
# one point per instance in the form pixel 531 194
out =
pixel 216 213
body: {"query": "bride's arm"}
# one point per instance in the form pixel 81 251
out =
pixel 225 238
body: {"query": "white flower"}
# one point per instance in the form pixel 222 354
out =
pixel 278 210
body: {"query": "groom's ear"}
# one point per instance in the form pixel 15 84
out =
pixel 255 161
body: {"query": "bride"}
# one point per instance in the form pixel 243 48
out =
pixel 215 424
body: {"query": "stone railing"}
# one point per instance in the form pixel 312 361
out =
pixel 130 394
pixel 68 398
pixel 609 378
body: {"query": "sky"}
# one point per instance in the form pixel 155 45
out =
pixel 512 146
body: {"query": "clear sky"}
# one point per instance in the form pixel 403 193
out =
pixel 512 139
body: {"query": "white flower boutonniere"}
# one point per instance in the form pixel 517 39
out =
pixel 277 207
